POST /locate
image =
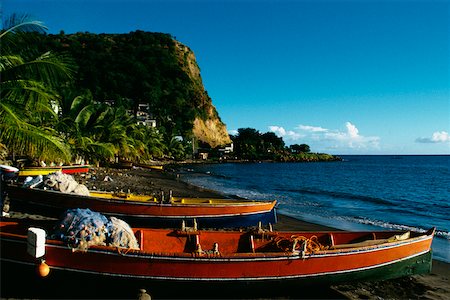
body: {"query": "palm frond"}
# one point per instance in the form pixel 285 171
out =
pixel 22 23
pixel 85 115
pixel 9 61
pixel 30 140
pixel 49 68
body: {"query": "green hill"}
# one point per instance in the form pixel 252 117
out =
pixel 145 67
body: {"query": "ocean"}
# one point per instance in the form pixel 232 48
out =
pixel 358 193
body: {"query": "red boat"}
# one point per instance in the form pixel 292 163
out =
pixel 75 169
pixel 72 169
pixel 146 210
pixel 189 258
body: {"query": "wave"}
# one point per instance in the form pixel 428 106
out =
pixel 439 233
pixel 340 195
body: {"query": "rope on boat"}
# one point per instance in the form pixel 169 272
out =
pixel 296 243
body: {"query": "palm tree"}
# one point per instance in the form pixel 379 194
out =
pixel 27 95
pixel 154 141
pixel 81 124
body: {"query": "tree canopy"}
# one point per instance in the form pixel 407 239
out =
pixel 250 144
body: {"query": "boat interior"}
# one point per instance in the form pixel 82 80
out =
pixel 172 200
pixel 229 243
pixel 253 242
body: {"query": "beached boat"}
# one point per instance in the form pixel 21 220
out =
pixel 35 171
pixel 146 210
pixel 149 166
pixel 232 259
pixel 123 164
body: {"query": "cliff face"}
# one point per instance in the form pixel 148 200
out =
pixel 207 128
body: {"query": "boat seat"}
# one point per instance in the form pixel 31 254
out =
pixel 372 242
pixel 140 238
pixel 330 239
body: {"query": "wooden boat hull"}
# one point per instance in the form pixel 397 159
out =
pixel 146 211
pixel 38 171
pixel 57 284
pixel 265 270
pixel 147 166
pixel 75 169
pixel 35 171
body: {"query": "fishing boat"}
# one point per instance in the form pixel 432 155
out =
pixel 123 164
pixel 75 169
pixel 192 260
pixel 35 171
pixel 146 210
pixel 149 166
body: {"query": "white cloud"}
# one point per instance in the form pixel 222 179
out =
pixel 277 130
pixel 312 128
pixel 324 138
pixel 352 130
pixel 288 134
pixel 352 139
pixel 437 137
pixel 233 132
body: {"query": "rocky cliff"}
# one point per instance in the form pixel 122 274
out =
pixel 208 127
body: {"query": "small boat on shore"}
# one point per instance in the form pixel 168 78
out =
pixel 146 210
pixel 197 259
pixel 35 171
pixel 149 166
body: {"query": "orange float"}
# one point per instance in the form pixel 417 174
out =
pixel 43 269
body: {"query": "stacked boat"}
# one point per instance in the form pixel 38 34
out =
pixel 175 253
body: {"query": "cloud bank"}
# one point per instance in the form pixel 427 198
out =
pixel 325 138
pixel 289 134
pixel 437 137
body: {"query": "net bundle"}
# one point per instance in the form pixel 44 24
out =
pixel 65 183
pixel 83 228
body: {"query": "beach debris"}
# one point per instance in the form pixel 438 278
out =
pixel 108 178
pixel 32 182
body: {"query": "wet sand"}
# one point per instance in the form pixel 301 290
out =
pixel 431 286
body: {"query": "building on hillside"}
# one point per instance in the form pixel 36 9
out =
pixel 144 117
pixel 110 102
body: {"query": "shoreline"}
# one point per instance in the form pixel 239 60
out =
pixel 144 181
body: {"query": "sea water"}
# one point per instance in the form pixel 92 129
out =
pixel 358 193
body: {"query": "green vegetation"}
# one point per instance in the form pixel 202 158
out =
pixel 27 93
pixel 134 68
pixel 52 102
pixel 250 144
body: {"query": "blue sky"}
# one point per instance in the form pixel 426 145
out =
pixel 345 77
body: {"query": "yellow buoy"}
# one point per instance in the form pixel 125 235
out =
pixel 43 269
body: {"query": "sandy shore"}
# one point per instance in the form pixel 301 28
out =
pixel 431 286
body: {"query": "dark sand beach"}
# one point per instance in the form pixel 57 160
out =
pixel 431 286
